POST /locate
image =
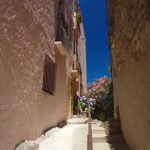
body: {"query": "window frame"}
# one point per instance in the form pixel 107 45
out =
pixel 49 68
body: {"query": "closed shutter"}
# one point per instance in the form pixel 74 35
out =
pixel 49 76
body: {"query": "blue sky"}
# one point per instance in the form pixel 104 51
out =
pixel 96 31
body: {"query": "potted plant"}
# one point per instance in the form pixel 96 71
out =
pixel 84 104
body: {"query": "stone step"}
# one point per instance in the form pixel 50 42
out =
pixel 96 122
pixel 99 138
pixel 113 127
pixel 120 146
pixel 75 121
pixel 114 124
pixel 115 130
pixel 97 125
pixel 115 138
pixel 101 146
pixel 114 135
pixel 98 130
pixel 78 116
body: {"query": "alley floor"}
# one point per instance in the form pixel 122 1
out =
pixel 73 136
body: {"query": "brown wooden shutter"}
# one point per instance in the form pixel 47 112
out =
pixel 49 76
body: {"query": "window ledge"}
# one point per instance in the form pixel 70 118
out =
pixel 60 47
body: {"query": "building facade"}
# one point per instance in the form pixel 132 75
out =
pixel 82 55
pixel 37 50
pixel 130 50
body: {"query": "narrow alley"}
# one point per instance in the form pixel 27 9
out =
pixel 74 75
pixel 73 136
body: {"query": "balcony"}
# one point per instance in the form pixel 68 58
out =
pixel 63 42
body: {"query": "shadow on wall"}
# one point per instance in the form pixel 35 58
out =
pixel 115 136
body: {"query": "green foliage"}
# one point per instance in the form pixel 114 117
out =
pixel 101 91
pixel 84 100
pixel 79 18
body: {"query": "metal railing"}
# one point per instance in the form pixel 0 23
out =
pixel 89 137
pixel 62 32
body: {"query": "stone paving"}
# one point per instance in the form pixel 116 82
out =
pixel 71 137
pixel 74 137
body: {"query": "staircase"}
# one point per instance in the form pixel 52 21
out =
pixel 99 137
pixel 109 137
pixel 115 135
pixel 75 120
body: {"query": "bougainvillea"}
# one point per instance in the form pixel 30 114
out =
pixel 100 94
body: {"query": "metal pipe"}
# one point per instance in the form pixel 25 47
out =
pixel 89 137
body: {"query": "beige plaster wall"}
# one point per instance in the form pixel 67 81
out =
pixel 130 35
pixel 27 34
pixel 82 57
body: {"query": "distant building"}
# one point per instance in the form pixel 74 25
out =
pixel 82 57
pixel 41 73
pixel 130 51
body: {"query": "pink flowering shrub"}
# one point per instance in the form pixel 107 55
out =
pixel 101 92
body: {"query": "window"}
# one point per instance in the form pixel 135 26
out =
pixel 49 75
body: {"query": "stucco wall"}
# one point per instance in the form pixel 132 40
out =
pixel 130 35
pixel 82 56
pixel 27 34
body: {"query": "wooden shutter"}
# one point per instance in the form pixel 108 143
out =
pixel 49 76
